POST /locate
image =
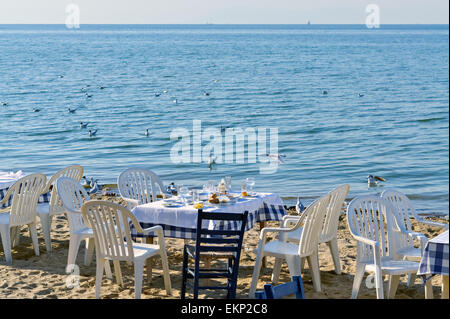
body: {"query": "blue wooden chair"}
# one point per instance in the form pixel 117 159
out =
pixel 283 290
pixel 217 244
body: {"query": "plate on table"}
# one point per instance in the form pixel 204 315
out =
pixel 172 205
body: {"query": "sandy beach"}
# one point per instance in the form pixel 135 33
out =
pixel 44 276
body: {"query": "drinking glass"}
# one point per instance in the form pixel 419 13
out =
pixel 183 191
pixel 211 186
pixel 250 183
pixel 228 183
pixel 244 189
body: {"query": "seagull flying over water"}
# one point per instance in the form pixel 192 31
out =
pixel 157 94
pixel 205 93
pixel 278 157
pixel 212 161
pixel 4 103
pixel 360 94
pixel 324 92
pixel 92 133
pixel 372 180
pixel 83 125
pixel 147 133
pixel 36 110
pixel 71 110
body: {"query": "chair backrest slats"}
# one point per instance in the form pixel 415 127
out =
pixel 331 220
pixel 283 290
pixel 140 184
pixel 26 192
pixel 72 196
pixel 312 219
pixel 109 222
pixel 231 240
pixel 373 218
pixel 75 172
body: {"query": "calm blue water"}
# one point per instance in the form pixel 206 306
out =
pixel 268 76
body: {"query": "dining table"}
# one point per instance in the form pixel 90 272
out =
pixel 178 218
pixel 435 261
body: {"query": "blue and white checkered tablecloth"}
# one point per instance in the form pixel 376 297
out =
pixel 44 198
pixel 265 213
pixel 435 256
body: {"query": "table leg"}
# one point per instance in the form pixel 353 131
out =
pixel 444 287
pixel 428 289
pixel 261 226
pixel 149 240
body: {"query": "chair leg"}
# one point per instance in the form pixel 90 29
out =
pixel 294 265
pixel 138 275
pixel 393 284
pixel 379 284
pixel 6 241
pixel 99 276
pixel 428 289
pixel 255 276
pixel 108 270
pixel 166 273
pixel 333 245
pixel 411 279
pixel 184 275
pixel 74 244
pixel 276 270
pixel 15 235
pixel 46 221
pixel 118 272
pixel 89 251
pixel 315 271
pixel 359 274
pixel 34 238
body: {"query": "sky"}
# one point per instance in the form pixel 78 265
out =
pixel 224 11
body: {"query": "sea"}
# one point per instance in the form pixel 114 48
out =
pixel 339 102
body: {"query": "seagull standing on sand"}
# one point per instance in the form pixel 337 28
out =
pixel 83 125
pixel 92 133
pixel 94 189
pixel 372 180
pixel 278 157
pixel 299 207
pixel 84 182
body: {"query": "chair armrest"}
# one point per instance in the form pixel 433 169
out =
pixel 367 241
pixel 131 203
pixel 289 219
pixel 158 229
pixel 266 230
pixel 432 223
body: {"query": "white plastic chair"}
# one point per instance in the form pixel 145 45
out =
pixel 139 186
pixel 110 224
pixel 46 211
pixel 372 223
pixel 25 195
pixel 329 230
pixel 312 220
pixel 73 196
pixel 403 204
pixel 405 238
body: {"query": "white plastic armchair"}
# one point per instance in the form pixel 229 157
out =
pixel 25 195
pixel 307 247
pixel 372 223
pixel 46 211
pixel 110 224
pixel 328 234
pixel 73 196
pixel 403 204
pixel 139 186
